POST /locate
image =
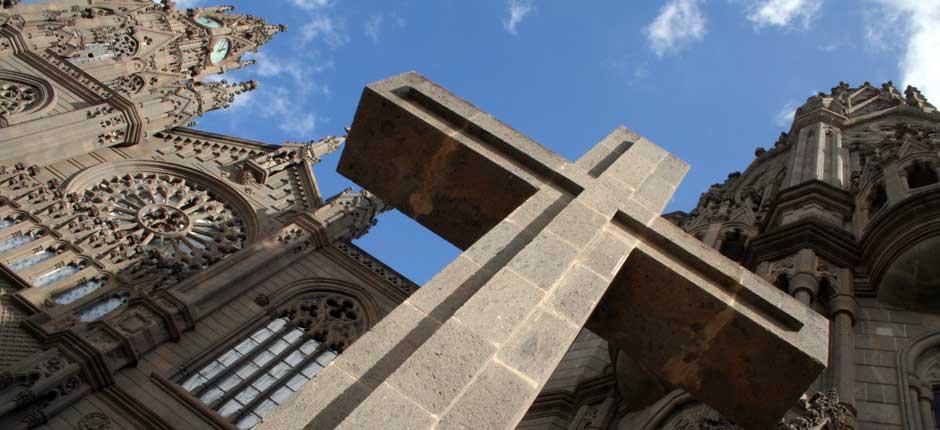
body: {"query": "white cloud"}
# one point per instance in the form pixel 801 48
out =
pixel 373 27
pixel 312 4
pixel 242 101
pixel 680 23
pixel 920 30
pixel 518 11
pixel 330 30
pixel 785 13
pixel 785 117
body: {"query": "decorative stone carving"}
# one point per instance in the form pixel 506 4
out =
pixel 95 421
pixel 128 85
pixel 377 267
pixel 158 224
pixel 335 320
pixel 259 169
pixel 17 97
pixel 349 215
pixel 823 411
pixel 696 416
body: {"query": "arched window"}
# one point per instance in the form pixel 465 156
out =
pixel 22 95
pixel 734 244
pixel 921 174
pixel 267 366
pixel 919 368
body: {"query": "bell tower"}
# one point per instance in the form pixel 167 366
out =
pixel 134 67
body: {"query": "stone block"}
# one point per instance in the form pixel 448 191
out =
pixel 500 306
pixel 637 163
pixel 536 349
pixel 577 224
pixel 321 403
pixel 599 158
pixel 608 252
pixel 499 244
pixel 672 170
pixel 577 294
pixel 545 260
pixel 655 193
pixel 539 209
pixel 442 367
pixel 497 399
pixel 388 409
pixel 379 352
pixel 448 290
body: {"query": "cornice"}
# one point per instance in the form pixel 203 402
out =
pixel 836 245
pixel 816 191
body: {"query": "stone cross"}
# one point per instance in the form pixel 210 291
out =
pixel 545 241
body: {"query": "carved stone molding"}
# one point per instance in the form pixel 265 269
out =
pixel 95 421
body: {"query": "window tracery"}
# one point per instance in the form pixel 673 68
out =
pixel 267 366
pixel 155 226
pixel 22 95
pixel 175 227
pixel 17 97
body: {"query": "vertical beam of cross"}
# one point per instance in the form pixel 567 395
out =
pixel 545 241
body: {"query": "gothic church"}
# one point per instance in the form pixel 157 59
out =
pixel 156 276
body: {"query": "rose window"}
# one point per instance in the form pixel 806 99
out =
pixel 164 222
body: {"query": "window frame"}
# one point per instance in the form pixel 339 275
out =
pixel 173 383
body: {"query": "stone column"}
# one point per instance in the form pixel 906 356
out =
pixel 842 354
pixel 924 396
pixel 804 287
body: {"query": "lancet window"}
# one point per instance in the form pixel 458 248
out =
pixel 270 363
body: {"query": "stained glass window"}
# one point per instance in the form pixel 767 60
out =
pixel 33 259
pixel 81 290
pixel 100 309
pixel 271 363
pixel 56 275
pixel 17 240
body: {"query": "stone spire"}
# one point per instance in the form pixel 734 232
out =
pixel 221 95
pixel 259 169
pixel 159 43
pixel 348 215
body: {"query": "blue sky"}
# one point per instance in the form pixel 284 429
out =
pixel 709 80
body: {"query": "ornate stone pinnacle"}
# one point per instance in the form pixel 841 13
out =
pixel 349 215
pixel 314 150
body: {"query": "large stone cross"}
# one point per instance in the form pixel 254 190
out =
pixel 545 241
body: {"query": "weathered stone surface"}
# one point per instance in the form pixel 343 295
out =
pixel 426 169
pixel 514 302
pixel 497 397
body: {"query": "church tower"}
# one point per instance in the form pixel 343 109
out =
pixel 154 276
pixel 135 67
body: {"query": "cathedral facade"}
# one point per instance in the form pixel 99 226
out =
pixel 156 276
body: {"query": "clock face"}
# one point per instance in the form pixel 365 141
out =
pixel 219 51
pixel 207 22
